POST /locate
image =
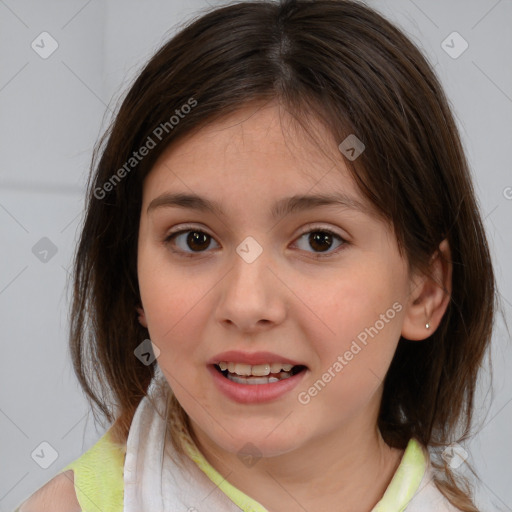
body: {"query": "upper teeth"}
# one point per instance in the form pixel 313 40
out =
pixel 258 370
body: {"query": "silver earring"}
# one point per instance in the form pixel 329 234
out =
pixel 427 325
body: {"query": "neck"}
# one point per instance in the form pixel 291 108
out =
pixel 330 472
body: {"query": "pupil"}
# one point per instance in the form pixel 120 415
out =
pixel 321 238
pixel 196 236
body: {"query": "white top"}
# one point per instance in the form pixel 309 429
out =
pixel 198 487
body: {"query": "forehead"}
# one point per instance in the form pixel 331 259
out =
pixel 261 127
pixel 259 150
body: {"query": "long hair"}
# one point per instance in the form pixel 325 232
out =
pixel 345 65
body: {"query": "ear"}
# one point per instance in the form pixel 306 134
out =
pixel 142 317
pixel 430 296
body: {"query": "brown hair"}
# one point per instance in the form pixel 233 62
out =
pixel 351 69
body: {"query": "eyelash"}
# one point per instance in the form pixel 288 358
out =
pixel 318 255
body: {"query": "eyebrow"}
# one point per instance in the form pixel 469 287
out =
pixel 281 208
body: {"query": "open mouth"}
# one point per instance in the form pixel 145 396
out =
pixel 259 379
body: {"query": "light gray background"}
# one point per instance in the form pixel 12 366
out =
pixel 51 113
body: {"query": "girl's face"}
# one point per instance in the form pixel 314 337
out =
pixel 320 285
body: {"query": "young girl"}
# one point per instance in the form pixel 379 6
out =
pixel 283 290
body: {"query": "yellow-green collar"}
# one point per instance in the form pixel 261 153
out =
pixel 400 491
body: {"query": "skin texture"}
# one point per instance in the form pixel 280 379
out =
pixel 287 301
pixel 58 495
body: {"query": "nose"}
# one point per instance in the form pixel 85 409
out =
pixel 252 297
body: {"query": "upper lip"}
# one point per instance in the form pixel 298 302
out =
pixel 252 358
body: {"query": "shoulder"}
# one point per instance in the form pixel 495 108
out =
pixel 94 479
pixel 58 495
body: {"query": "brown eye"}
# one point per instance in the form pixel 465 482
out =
pixel 197 240
pixel 189 241
pixel 321 241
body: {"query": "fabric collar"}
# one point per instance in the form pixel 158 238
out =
pixel 398 494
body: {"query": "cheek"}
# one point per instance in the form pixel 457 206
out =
pixel 362 318
pixel 163 289
pixel 357 301
pixel 175 304
pixel 168 310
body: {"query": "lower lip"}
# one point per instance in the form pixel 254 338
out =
pixel 254 393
